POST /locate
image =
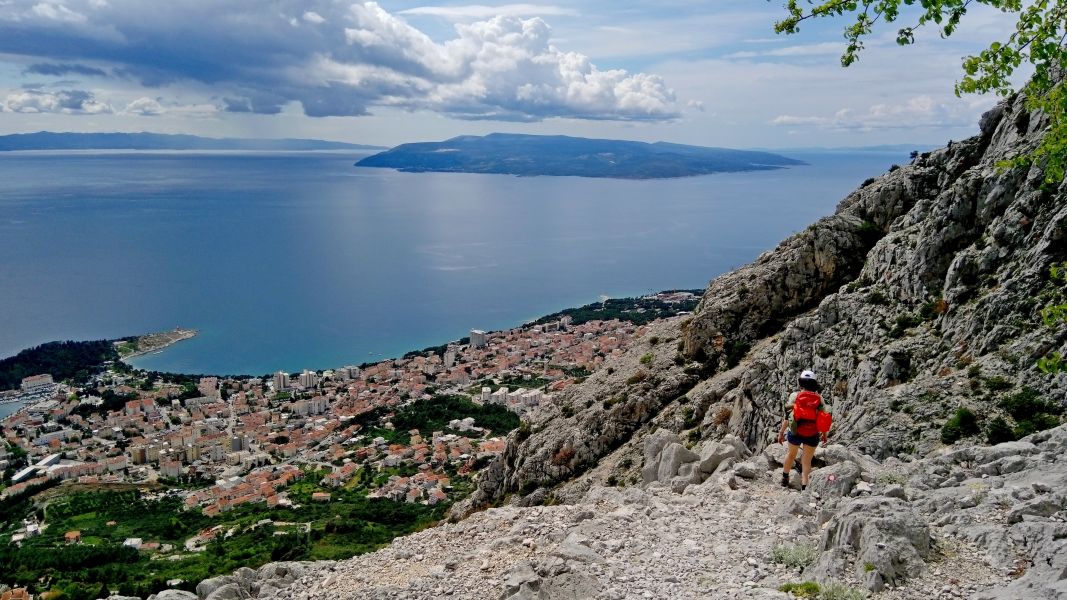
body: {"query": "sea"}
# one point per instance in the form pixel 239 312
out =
pixel 286 261
pixel 9 408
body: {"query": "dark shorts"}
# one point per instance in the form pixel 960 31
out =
pixel 806 440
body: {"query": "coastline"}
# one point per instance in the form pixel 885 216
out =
pixel 12 402
pixel 637 309
pixel 152 342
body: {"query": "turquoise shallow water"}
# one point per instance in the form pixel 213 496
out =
pixel 291 261
pixel 7 409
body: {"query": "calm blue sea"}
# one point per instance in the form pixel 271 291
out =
pixel 291 261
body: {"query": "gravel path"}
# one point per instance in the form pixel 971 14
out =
pixel 709 542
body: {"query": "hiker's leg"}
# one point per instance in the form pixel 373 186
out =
pixel 805 460
pixel 790 458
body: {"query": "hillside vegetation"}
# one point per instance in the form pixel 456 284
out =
pixel 63 360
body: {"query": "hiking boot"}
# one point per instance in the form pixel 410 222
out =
pixel 785 480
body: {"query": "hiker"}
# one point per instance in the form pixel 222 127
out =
pixel 804 423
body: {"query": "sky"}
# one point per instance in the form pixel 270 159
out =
pixel 710 73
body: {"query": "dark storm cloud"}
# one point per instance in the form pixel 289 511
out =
pixel 60 69
pixel 335 59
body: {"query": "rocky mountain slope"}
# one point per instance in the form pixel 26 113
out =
pixel 984 523
pixel 920 295
pixel 656 478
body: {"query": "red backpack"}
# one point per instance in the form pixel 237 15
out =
pixel 808 413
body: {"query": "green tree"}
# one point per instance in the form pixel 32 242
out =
pixel 1055 316
pixel 1038 39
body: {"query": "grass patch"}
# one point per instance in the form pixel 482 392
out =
pixel 891 478
pixel 636 378
pixel 877 298
pixel 1031 413
pixel 999 431
pixel 804 589
pixel 997 383
pixel 736 352
pixel 903 323
pixel 796 556
pixel 962 424
pixel 839 591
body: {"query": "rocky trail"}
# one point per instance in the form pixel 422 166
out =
pixel 979 522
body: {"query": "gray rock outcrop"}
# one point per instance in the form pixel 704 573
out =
pixel 949 532
pixel 886 537
pixel 918 296
pixel 173 595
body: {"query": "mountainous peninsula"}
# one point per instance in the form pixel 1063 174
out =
pixel 48 140
pixel 528 155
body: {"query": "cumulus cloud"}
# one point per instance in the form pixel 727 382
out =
pixel 69 102
pixel 338 59
pixel 145 107
pixel 57 12
pixel 916 113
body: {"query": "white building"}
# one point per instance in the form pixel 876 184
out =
pixel 37 383
pixel 281 381
pixel 531 398
pixel 346 373
pixel 500 396
pixel 466 424
pixel 318 405
pixel 23 474
pixel 479 338
pixel 308 379
pixel 170 468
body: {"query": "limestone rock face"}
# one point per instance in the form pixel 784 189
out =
pixel 943 300
pixel 948 532
pixel 205 589
pixel 835 481
pixel 919 295
pixel 886 536
pixel 173 595
pixel 229 591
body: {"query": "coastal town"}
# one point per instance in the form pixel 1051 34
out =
pixel 220 443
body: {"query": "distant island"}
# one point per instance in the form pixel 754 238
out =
pixel 528 155
pixel 48 140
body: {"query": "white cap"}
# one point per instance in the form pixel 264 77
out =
pixel 808 374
